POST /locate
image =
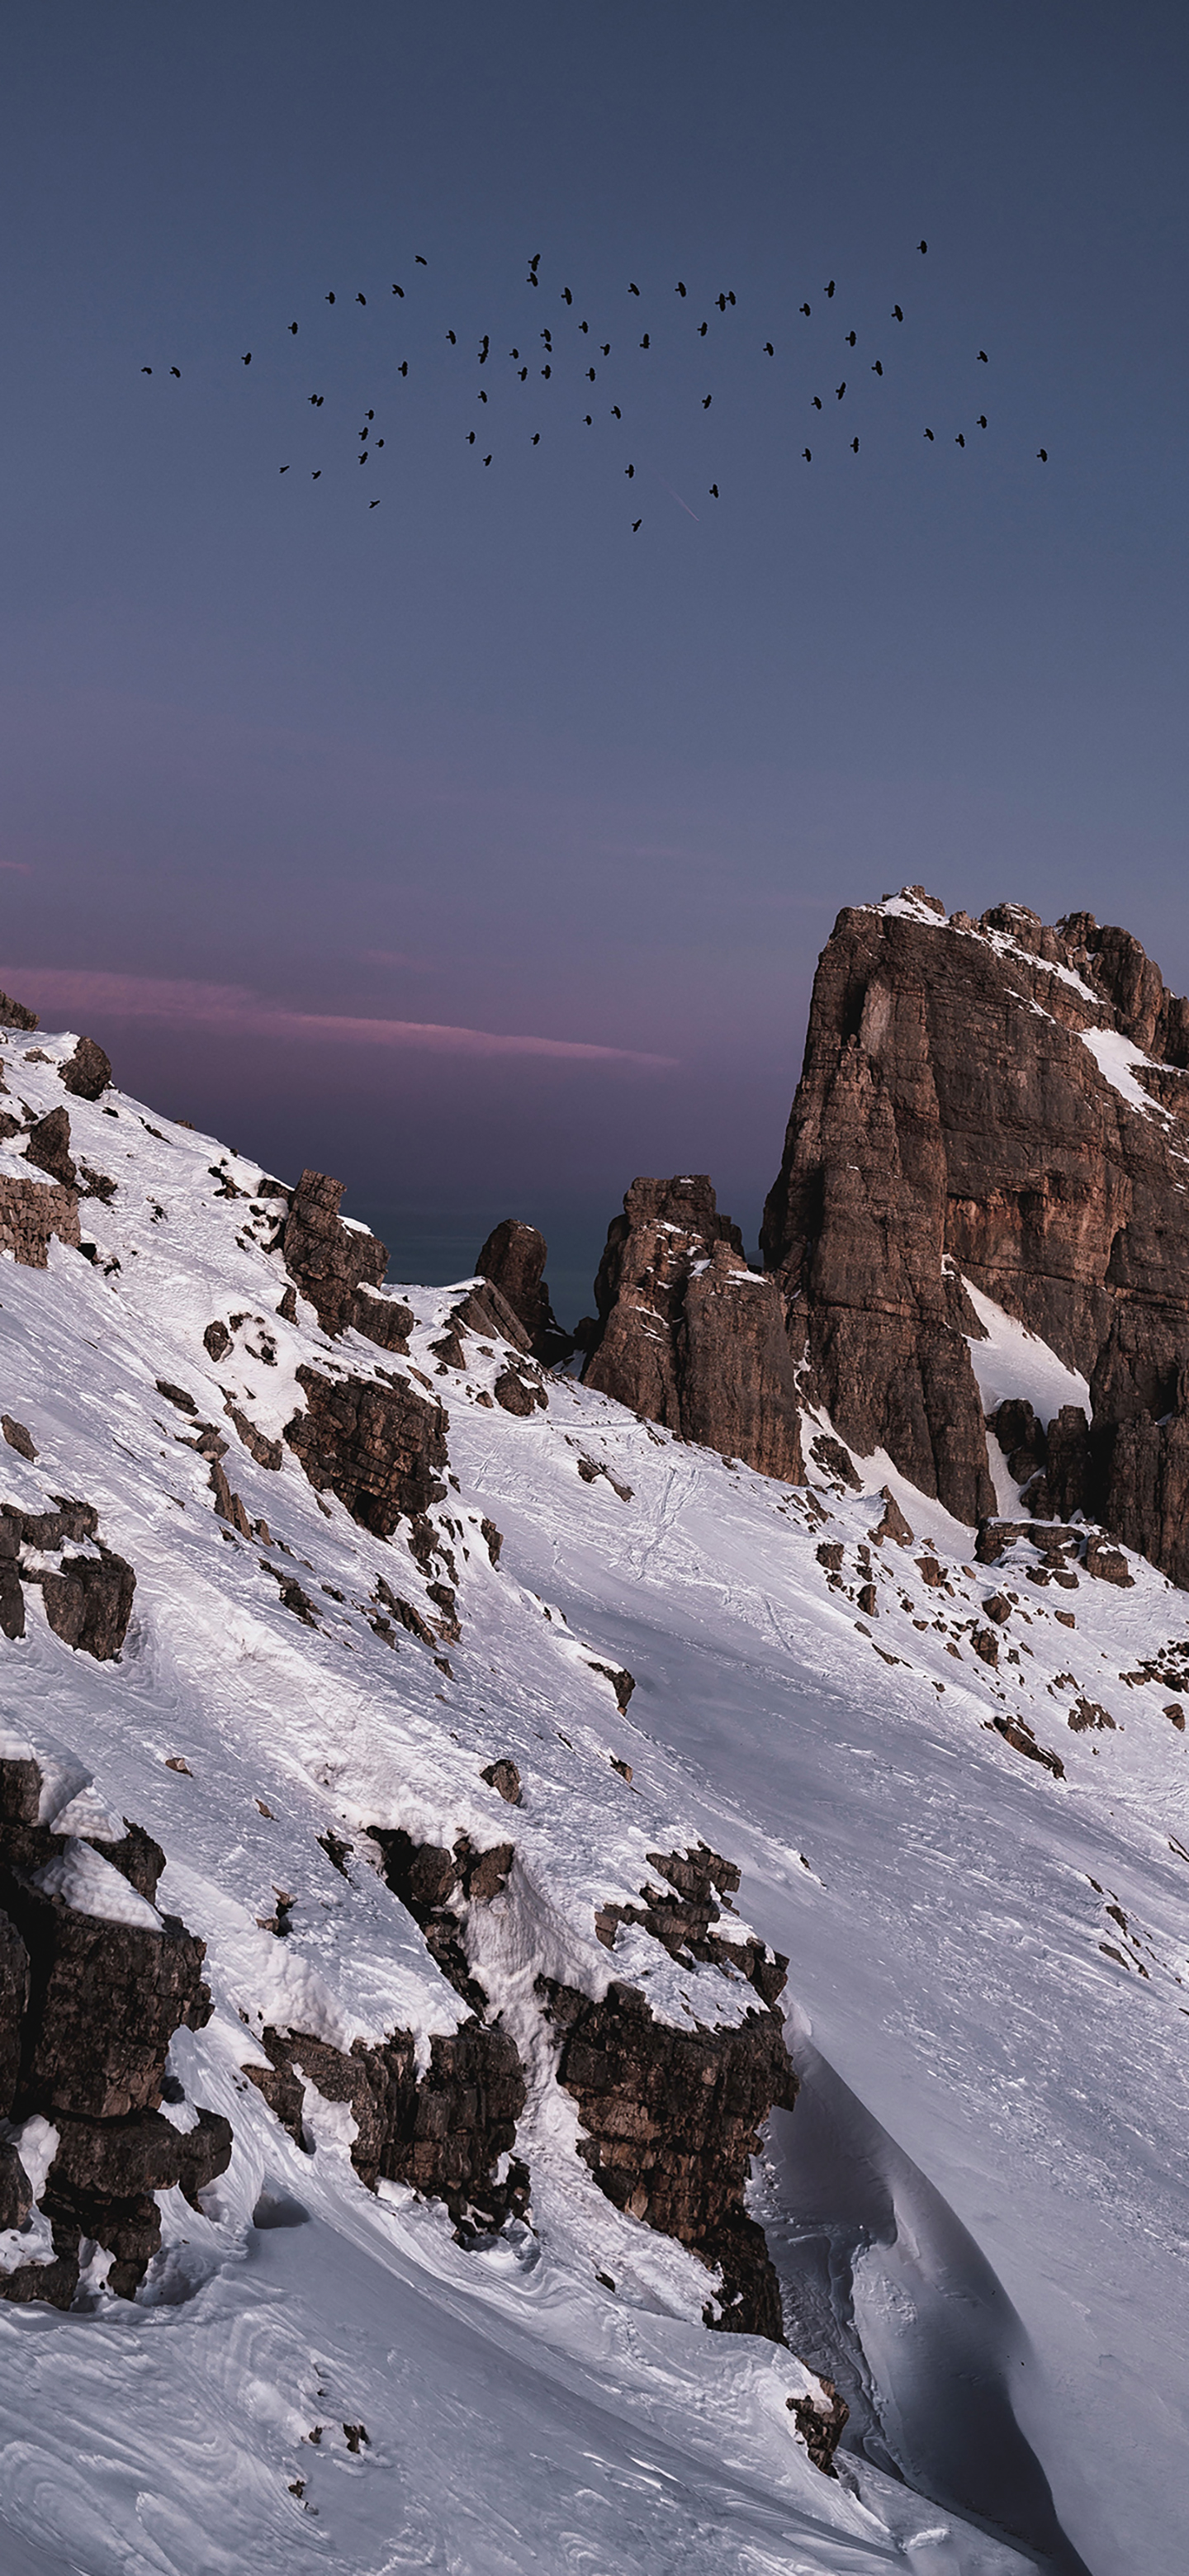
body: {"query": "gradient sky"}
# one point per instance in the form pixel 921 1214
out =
pixel 293 792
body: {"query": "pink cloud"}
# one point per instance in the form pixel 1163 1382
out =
pixel 16 867
pixel 77 992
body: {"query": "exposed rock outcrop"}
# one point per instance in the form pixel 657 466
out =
pixel 87 1072
pixel 378 1445
pixel 514 1258
pixel 32 1211
pixel 968 1107
pixel 331 1262
pixel 93 1985
pixel 447 2132
pixel 48 1145
pixel 671 2121
pixel 13 1015
pixel 88 1599
pixel 688 1335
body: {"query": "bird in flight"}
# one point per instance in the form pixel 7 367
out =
pixel 854 446
pixel 897 315
pixel 982 359
pixel 982 420
pixel 805 309
pixel 679 288
pixel 922 246
pixel 637 524
pixel 839 390
pixel 877 369
pixel 828 290
pixel 714 491
pixel 633 290
pixel 707 402
pixel 424 263
pixel 959 441
pixel 175 371
pixel 770 350
pixel 248 358
pixel 629 470
pixel 1043 455
pixel 929 434
pixel 849 337
pixel 807 453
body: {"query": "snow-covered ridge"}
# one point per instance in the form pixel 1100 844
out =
pixel 945 1901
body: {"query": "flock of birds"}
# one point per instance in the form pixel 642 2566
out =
pixel 542 366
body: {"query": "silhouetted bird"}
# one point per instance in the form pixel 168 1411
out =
pixel 175 371
pixel 248 358
pixel 584 326
pixel 146 371
pixel 854 446
pixel 374 505
pixel 589 421
pixel 470 438
pixel 316 473
pixel 629 470
pixel 644 342
pixel 714 491
pixel 679 289
pixel 722 304
pixel 849 338
pixel 769 348
pixel 605 346
pixel 524 375
pixel 959 441
pixel 830 288
pixel 703 329
pixel 536 438
pixel 328 299
pixel 877 369
pixel 487 460
pixel 482 397
pixel 817 402
pixel 566 296
pixel 398 290
pixel 929 433
pixel 546 371
pixel 590 375
pixel 637 524
pixel 922 246
pixel 707 402
pixel 982 359
pixel 403 368
pixel 361 299
pixel 805 308
pixel 897 315
pixel 371 415
pixel 616 413
pixel 807 453
pixel 982 420
pixel 839 390
pixel 424 263
pixel 293 330
pixel 452 339
pixel 1043 455
pixel 284 469
pixel 513 353
pixel 633 290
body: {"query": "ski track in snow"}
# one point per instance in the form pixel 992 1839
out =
pixel 1016 2093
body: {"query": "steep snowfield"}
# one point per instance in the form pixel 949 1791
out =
pixel 978 2206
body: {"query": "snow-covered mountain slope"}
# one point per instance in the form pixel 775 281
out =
pixel 977 2206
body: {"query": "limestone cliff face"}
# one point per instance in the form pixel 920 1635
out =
pixel 688 1334
pixel 970 1105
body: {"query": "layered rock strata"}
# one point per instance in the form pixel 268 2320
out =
pixel 93 1984
pixel 377 1444
pixel 974 1102
pixel 688 1335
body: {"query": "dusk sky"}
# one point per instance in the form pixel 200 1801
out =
pixel 474 847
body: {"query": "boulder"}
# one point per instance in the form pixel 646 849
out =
pixel 105 1998
pixel 87 1072
pixel 32 1211
pixel 48 1145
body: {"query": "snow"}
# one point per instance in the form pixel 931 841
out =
pixel 1115 1056
pixel 998 2204
pixel 1014 1362
pixel 84 1880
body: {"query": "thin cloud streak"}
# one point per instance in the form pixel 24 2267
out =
pixel 233 1008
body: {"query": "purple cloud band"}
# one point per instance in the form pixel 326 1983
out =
pixel 77 991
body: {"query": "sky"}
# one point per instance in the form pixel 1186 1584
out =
pixel 475 847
